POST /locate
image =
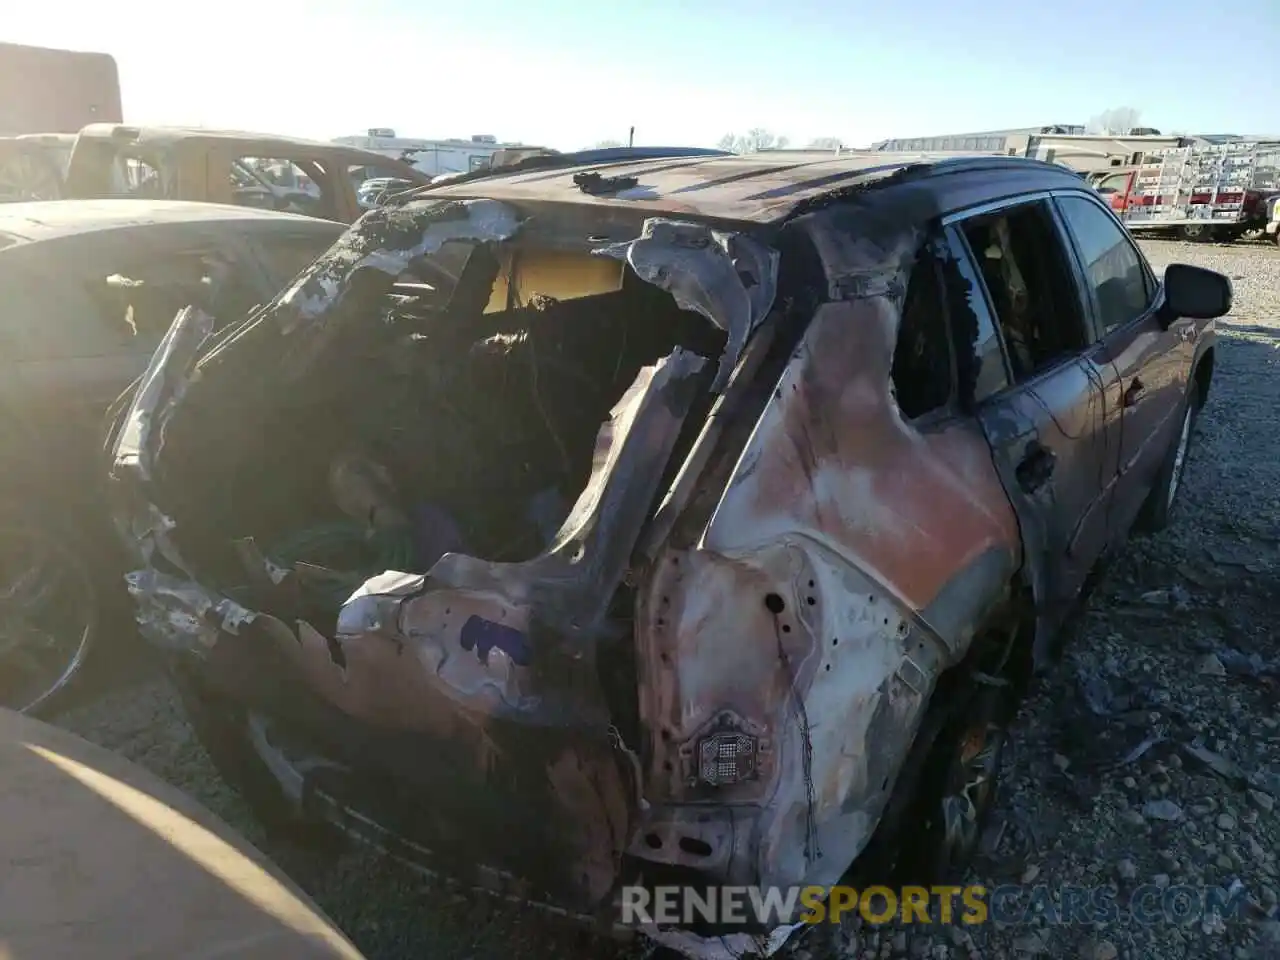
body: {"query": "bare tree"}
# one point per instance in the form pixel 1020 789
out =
pixel 825 143
pixel 753 141
pixel 1117 120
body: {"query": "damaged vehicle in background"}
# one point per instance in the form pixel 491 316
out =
pixel 683 521
pixel 90 288
pixel 225 166
pixel 29 170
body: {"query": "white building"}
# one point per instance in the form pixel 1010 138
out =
pixel 432 157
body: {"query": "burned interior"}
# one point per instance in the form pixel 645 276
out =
pixel 460 412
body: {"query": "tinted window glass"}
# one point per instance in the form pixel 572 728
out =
pixel 288 255
pixel 922 358
pixel 137 302
pixel 1111 263
pixel 279 183
pixel 1025 269
pixel 1116 183
pixel 980 366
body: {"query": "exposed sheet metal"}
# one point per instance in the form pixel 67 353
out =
pixel 161 388
pixel 727 277
pixel 421 227
pixel 809 607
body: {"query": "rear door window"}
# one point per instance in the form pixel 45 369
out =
pixel 137 303
pixel 922 367
pixel 1026 268
pixel 981 370
pixel 294 185
pixel 287 255
pixel 108 313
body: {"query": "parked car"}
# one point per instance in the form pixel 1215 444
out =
pixel 222 166
pixel 374 191
pixel 27 171
pixel 116 864
pixel 684 521
pixel 90 288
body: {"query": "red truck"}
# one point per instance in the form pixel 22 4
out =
pixel 43 90
pixel 1217 192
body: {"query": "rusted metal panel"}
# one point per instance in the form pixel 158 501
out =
pixel 759 188
pixel 802 614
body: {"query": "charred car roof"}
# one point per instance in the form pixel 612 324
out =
pixel 758 188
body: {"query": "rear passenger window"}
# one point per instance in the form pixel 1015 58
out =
pixel 980 364
pixel 922 370
pixel 1024 267
pixel 137 304
pixel 1117 281
pixel 287 256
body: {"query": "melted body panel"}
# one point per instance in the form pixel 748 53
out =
pixel 802 614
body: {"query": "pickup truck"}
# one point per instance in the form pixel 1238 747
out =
pixel 1219 192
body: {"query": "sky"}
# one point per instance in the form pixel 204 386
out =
pixel 682 72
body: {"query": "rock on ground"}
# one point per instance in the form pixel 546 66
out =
pixel 1158 705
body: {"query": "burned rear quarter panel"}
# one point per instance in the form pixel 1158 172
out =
pixel 848 563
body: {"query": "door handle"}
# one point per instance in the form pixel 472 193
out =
pixel 1133 392
pixel 1036 466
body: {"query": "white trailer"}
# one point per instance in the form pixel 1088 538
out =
pixel 1089 153
pixel 432 157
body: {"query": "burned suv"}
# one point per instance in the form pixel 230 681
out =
pixel 683 521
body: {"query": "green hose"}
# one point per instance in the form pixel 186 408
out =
pixel 350 550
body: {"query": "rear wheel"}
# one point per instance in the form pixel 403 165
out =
pixel 1157 509
pixel 240 745
pixel 49 611
pixel 1196 233
pixel 958 798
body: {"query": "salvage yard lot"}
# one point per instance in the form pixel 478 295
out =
pixel 1105 779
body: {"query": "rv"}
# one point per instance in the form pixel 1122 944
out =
pixel 432 157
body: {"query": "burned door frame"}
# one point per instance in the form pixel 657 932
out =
pixel 336 193
pixel 1030 469
pixel 1142 353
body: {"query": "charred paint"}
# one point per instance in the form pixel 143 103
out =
pixel 804 606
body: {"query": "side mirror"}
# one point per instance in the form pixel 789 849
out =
pixel 1195 293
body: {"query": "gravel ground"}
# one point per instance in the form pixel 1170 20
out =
pixel 1150 755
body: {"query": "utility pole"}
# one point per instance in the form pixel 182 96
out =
pixel 631 138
